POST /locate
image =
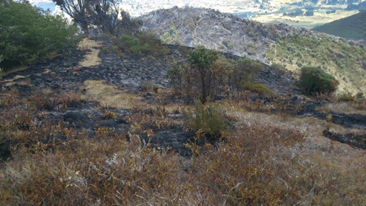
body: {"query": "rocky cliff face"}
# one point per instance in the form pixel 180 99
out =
pixel 221 31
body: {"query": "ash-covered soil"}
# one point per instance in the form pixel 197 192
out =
pixel 130 73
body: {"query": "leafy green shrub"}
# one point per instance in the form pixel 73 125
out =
pixel 208 119
pixel 28 33
pixel 314 80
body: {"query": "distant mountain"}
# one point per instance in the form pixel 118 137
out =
pixel 360 6
pixel 353 27
pixel 220 31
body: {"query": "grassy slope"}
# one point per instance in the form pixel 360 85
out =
pixel 350 27
pixel 345 62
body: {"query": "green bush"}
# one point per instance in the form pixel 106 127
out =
pixel 314 80
pixel 207 119
pixel 27 33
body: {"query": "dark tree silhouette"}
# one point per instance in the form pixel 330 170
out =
pixel 81 11
pixel 106 14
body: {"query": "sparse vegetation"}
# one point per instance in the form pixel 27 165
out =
pixel 210 74
pixel 337 58
pixel 142 43
pixel 170 37
pixel 252 48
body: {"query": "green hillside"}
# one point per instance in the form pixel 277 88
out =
pixel 346 63
pixel 350 27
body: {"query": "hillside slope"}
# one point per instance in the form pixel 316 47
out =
pixel 350 27
pixel 215 30
pixel 242 37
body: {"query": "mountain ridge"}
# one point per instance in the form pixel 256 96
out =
pixel 182 26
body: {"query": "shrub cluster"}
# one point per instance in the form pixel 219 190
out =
pixel 209 74
pixel 314 80
pixel 28 33
pixel 141 43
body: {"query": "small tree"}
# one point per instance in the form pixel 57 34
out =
pixel 201 61
pixel 210 75
pixel 103 13
pixel 314 80
pixel 79 10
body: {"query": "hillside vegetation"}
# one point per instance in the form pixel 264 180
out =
pixel 351 27
pixel 346 63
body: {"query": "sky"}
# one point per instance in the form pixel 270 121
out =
pixel 48 4
pixel 44 4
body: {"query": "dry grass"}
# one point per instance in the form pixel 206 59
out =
pixel 111 96
pixel 10 82
pixel 92 58
pixel 345 107
pixel 46 99
pixel 266 160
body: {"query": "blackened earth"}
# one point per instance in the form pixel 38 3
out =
pixel 130 72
